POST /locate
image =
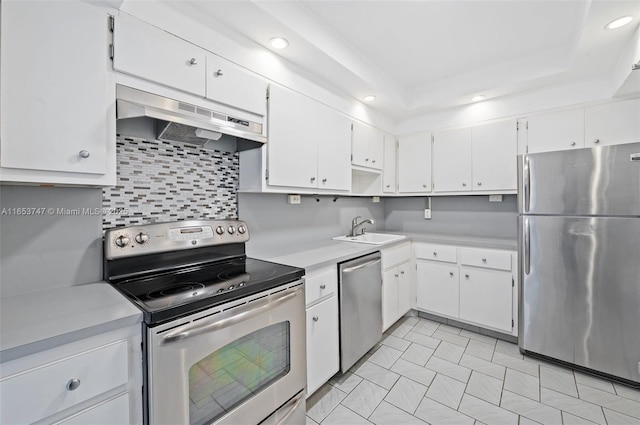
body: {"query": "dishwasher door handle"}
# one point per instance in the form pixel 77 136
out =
pixel 361 266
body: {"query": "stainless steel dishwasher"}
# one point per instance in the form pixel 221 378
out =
pixel 360 308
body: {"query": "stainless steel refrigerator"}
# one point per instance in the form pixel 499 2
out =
pixel 579 251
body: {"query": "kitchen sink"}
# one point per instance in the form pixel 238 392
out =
pixel 371 238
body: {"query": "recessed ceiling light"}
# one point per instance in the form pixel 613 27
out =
pixel 279 43
pixel 369 98
pixel 620 22
pixel 478 98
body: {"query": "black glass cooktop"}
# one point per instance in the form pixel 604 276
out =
pixel 167 295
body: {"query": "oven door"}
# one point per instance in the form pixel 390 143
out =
pixel 233 364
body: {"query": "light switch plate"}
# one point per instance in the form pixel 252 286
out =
pixel 495 198
pixel 427 214
pixel 375 199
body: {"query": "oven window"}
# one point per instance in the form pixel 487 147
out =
pixel 229 376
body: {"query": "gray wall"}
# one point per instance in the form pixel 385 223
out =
pixel 272 221
pixel 39 252
pixel 457 215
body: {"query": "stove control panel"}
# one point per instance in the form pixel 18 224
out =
pixel 153 238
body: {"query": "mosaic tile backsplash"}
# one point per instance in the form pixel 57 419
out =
pixel 165 181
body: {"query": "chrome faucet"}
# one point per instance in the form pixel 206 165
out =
pixel 355 225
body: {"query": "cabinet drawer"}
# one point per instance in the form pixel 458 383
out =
pixel 396 255
pixel 42 391
pixel 500 260
pixel 436 252
pixel 114 411
pixel 320 284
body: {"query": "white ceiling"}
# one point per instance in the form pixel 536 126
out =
pixel 420 56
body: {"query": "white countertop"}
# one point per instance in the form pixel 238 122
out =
pixel 312 254
pixel 41 320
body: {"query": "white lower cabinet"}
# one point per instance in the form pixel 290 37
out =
pixel 437 288
pixel 473 285
pixel 396 283
pixel 95 380
pixel 486 297
pixel 323 356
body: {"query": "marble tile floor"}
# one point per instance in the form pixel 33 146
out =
pixel 424 372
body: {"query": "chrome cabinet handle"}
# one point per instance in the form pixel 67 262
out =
pixel 479 183
pixel 323 286
pixel 424 185
pixel 366 159
pixel 451 274
pixel 316 318
pixel 467 276
pixel 596 141
pixel 484 260
pixel 193 61
pixel 402 272
pixel 464 185
pixel 388 185
pixel 373 160
pixel 573 143
pixel 218 73
pixel 313 179
pixel 435 254
pixel 84 154
pixel 73 384
pixel 395 275
pixel 324 180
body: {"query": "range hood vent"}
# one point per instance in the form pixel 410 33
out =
pixel 182 122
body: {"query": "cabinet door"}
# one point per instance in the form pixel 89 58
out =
pixel 486 298
pixel 232 85
pixel 437 288
pixel 153 54
pixel 494 148
pixel 292 147
pixel 389 171
pixel 452 160
pixel 55 96
pixel 367 146
pixel 555 131
pixel 612 124
pixel 414 164
pixel 390 280
pixel 333 131
pixel 322 343
pixel 404 289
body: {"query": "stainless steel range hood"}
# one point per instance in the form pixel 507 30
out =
pixel 183 122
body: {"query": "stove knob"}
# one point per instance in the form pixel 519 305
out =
pixel 241 284
pixel 142 238
pixel 231 230
pixel 231 287
pixel 220 290
pixel 122 241
pixel 220 230
pixel 242 229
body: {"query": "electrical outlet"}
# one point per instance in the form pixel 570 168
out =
pixel 495 198
pixel 293 199
pixel 375 199
pixel 427 214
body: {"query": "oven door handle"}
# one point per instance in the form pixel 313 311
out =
pixel 291 406
pixel 242 313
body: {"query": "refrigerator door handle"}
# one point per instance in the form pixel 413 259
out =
pixel 527 247
pixel 527 185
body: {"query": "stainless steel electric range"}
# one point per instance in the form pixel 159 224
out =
pixel 224 335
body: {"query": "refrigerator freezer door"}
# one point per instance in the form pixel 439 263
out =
pixel 580 298
pixel 583 182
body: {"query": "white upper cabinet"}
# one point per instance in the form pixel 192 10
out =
pixel 292 146
pixel 232 85
pixel 367 146
pixel 308 143
pixel 493 151
pixel 414 164
pixel 333 132
pixel 452 160
pixel 58 94
pixel 556 131
pixel 389 171
pixel 155 55
pixel 612 124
